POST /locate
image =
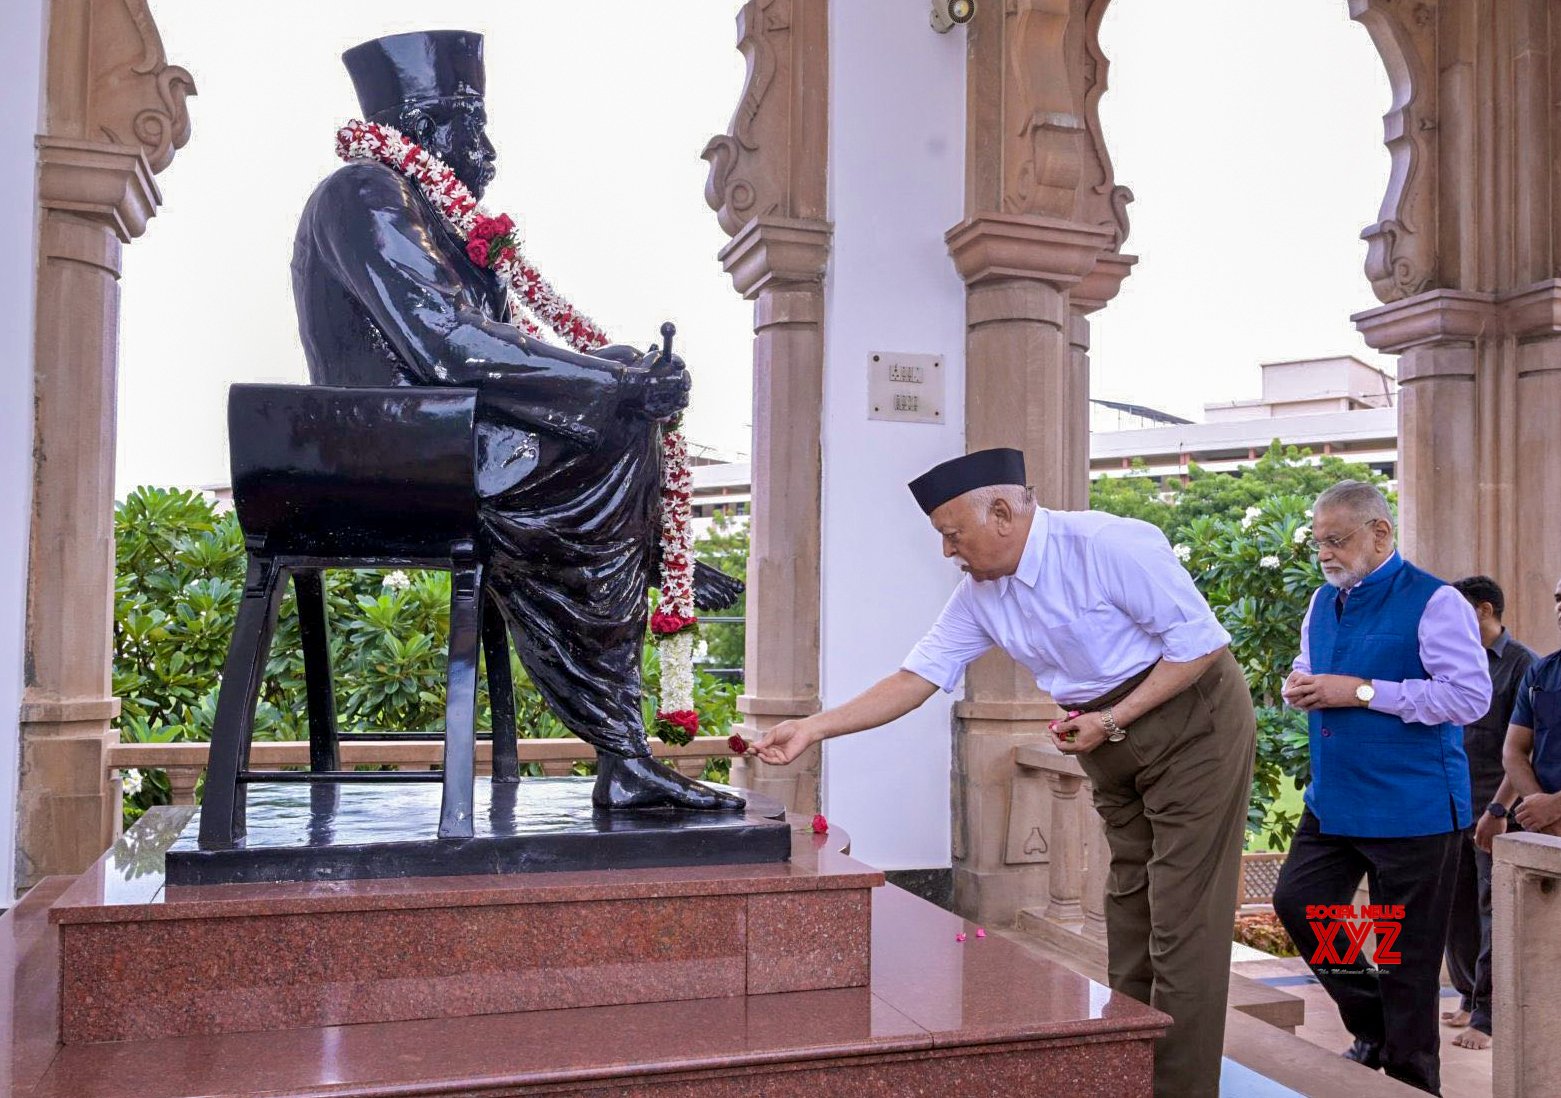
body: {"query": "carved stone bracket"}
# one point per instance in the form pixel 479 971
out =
pixel 770 163
pixel 1102 201
pixel 1401 257
pixel 1036 148
pixel 109 80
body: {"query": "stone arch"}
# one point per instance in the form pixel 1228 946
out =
pixel 1464 257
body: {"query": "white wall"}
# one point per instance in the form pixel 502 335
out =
pixel 21 60
pixel 896 185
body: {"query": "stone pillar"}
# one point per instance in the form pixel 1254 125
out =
pixel 1044 225
pixel 767 186
pixel 1464 256
pixel 1526 955
pixel 779 266
pixel 114 117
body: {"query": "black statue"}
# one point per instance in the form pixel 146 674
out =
pixel 568 450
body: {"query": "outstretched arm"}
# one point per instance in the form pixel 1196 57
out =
pixel 884 701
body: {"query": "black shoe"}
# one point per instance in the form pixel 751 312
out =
pixel 1365 1053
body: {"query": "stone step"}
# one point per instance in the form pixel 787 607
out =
pixel 1259 1025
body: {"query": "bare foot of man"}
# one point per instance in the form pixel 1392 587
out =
pixel 1472 1038
pixel 1457 1019
pixel 646 783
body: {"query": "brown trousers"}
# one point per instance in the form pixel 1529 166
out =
pixel 1174 798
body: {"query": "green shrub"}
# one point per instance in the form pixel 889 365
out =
pixel 178 579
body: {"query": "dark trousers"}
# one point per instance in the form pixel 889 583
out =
pixel 1469 932
pixel 1173 796
pixel 1395 1008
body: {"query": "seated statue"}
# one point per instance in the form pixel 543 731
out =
pixel 568 444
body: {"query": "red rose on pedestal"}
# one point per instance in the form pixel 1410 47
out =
pixel 820 825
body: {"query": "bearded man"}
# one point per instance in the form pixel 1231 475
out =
pixel 568 445
pixel 1391 667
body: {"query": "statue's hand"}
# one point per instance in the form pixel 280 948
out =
pixel 714 589
pixel 654 389
pixel 621 353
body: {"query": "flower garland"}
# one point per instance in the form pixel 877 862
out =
pixel 494 244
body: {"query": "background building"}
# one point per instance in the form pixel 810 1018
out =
pixel 1338 406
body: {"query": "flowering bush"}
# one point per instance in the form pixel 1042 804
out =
pixel 1258 576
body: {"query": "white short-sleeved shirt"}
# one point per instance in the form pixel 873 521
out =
pixel 1095 600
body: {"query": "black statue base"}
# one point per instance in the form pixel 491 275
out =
pixel 351 831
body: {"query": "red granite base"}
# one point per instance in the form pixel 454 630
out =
pixel 939 1016
pixel 243 958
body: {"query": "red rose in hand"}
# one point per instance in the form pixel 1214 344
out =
pixel 477 250
pixel 738 745
pixel 820 825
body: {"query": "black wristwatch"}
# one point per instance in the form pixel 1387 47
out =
pixel 1497 809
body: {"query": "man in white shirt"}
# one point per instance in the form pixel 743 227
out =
pixel 1099 610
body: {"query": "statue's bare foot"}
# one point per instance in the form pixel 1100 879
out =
pixel 646 783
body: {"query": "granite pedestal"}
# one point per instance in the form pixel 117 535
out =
pixel 204 1004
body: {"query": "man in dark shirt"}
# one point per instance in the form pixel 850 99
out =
pixel 1531 754
pixel 1469 925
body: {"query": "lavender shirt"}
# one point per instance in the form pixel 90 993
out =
pixel 1459 689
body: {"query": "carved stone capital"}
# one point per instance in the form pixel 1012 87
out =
pixel 1103 281
pixel 1461 316
pixel 772 250
pixel 108 183
pixel 1439 316
pixel 1046 249
pixel 1534 311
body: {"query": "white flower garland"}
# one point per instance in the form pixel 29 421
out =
pixel 493 243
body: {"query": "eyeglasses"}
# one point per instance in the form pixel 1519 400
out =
pixel 1337 542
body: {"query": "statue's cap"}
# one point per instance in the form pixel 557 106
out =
pixel 954 478
pixel 405 69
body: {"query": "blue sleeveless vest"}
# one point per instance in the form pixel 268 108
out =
pixel 1373 775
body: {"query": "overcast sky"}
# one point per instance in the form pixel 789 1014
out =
pixel 1249 130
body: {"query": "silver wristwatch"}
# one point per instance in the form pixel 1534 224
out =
pixel 1113 733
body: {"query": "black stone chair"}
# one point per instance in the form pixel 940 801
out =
pixel 354 478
